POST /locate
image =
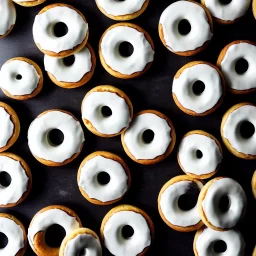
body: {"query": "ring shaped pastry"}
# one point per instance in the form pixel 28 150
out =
pixel 21 78
pixel 106 111
pixel 121 64
pixel 198 88
pixel 185 28
pixel 150 138
pixel 40 144
pixel 94 186
pixel 29 3
pixel 254 184
pixel 212 197
pixel 168 204
pixel 83 241
pixel 60 30
pixel 199 154
pixel 14 230
pixel 9 128
pixel 125 218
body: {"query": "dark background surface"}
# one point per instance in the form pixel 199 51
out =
pixel 151 91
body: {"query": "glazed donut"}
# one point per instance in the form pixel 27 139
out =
pixel 75 75
pixel 169 209
pixel 14 230
pixel 115 120
pixel 112 58
pixel 122 10
pixel 81 240
pixel 56 45
pixel 212 196
pixel 199 154
pixel 9 128
pixel 254 184
pixel 206 239
pixel 91 186
pixel 41 146
pixel 237 120
pixel 152 149
pixel 198 28
pixel 29 3
pixel 117 240
pixel 21 78
pixel 237 63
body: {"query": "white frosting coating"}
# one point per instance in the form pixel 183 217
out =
pixel 232 238
pixel 44 24
pixel 210 160
pixel 8 16
pixel 133 136
pixel 91 110
pixel 142 54
pixel 183 88
pixel 232 133
pixel 6 127
pixel 117 185
pixel 114 240
pixel 73 73
pixel 15 236
pixel 24 0
pixel 224 187
pixel 26 85
pixel 170 208
pixel 38 136
pixel 196 16
pixel 234 53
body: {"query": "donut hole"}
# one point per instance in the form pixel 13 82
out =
pixel 241 66
pixel 127 232
pixel 106 111
pixel 148 136
pixel 247 129
pixel 3 240
pixel 69 61
pixel 82 252
pixel 199 154
pixel 5 179
pixel 225 2
pixel 60 29
pixel 219 246
pixel 55 137
pixel 54 235
pixel 18 77
pixel 224 204
pixel 198 87
pixel 103 178
pixel 184 27
pixel 126 49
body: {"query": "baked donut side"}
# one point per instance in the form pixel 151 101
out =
pixel 254 184
pixel 29 3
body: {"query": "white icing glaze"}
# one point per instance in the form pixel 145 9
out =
pixel 188 147
pixel 38 136
pixel 6 127
pixel 170 208
pixel 73 73
pixel 24 0
pixel 114 240
pixel 142 54
pixel 8 16
pixel 200 27
pixel 117 185
pixel 183 88
pixel 44 25
pixel 133 136
pixel 232 238
pixel 14 234
pixel 234 53
pixel 231 129
pixel 91 110
pixel 224 187
pixel 26 85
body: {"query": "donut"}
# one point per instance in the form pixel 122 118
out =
pixel 185 28
pixel 29 3
pixel 127 230
pixel 8 17
pixel 81 240
pixel 206 242
pixel 15 232
pixel 122 10
pixel 21 78
pixel 198 88
pixel 60 30
pixel 118 62
pixel 150 138
pixel 199 154
pixel 238 130
pixel 106 111
pixel 237 63
pixel 254 184
pixel 45 218
pixel 40 144
pixel 222 203
pixel 168 204
pixel 70 75
pixel 9 128
pixel 103 191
